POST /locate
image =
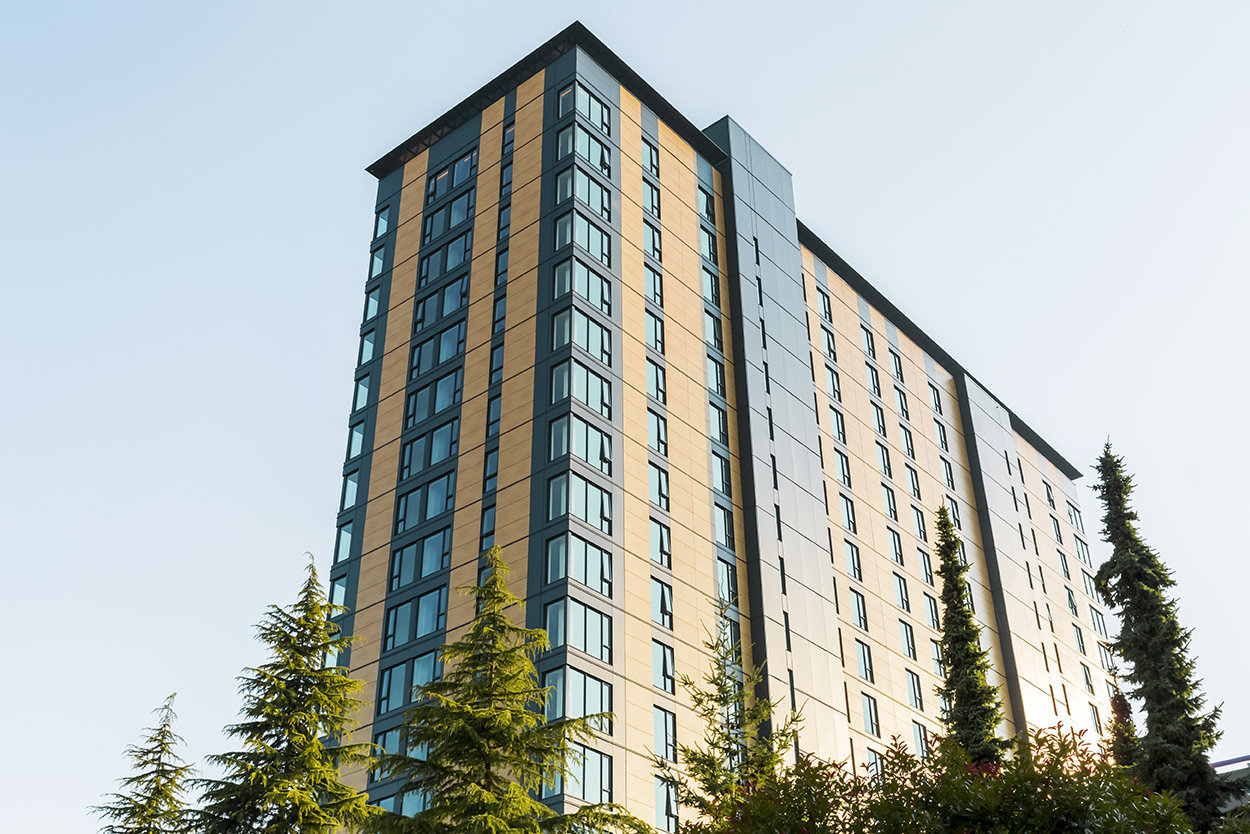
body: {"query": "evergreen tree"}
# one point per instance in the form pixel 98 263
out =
pixel 741 752
pixel 478 748
pixel 296 710
pixel 153 802
pixel 1123 732
pixel 973 712
pixel 1172 754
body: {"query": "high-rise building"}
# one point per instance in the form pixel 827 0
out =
pixel 598 337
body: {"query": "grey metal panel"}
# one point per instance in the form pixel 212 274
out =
pixel 761 212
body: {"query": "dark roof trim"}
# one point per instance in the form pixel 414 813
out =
pixel 575 35
pixel 874 297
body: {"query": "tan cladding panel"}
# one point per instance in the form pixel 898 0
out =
pixel 388 423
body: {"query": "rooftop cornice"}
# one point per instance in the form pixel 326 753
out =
pixel 573 36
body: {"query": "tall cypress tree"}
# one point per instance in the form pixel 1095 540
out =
pixel 974 711
pixel 295 713
pixel 153 802
pixel 1172 754
pixel 477 746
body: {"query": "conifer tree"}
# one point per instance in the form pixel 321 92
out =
pixel 1172 754
pixel 153 801
pixel 974 711
pixel 296 710
pixel 477 746
pixel 741 752
pixel 1123 732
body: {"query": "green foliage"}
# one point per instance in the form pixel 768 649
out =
pixel 974 712
pixel 1123 732
pixel 153 802
pixel 296 710
pixel 1172 754
pixel 741 753
pixel 478 747
pixel 1053 784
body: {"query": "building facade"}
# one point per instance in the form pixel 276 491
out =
pixel 600 338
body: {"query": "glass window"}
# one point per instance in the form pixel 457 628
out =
pixel 343 542
pixel 580 627
pixel 833 384
pixel 656 388
pixel 915 695
pixel 844 467
pixel 712 333
pixel 716 375
pixel 718 420
pixel 651 197
pixel 654 283
pixel 650 158
pixel 707 205
pixel 655 332
pixel 908 637
pixel 707 245
pixel 576 138
pixel 657 432
pixel 926 565
pixel 859 610
pixel 870 344
pixel 724 520
pixel 896 545
pixel 381 221
pixel 948 473
pixel 575 694
pixel 874 381
pixel 848 513
pixel 373 299
pixel 661 603
pixel 920 737
pixel 871 722
pixel 665 734
pixel 878 416
pixel 888 502
pixel 665 805
pixel 355 440
pixel 651 241
pixel 909 446
pixel 853 566
pixel 711 287
pixel 931 606
pixel 936 397
pixel 900 593
pixel 839 425
pixel 918 517
pixel 726 582
pixel 362 393
pixel 493 413
pixel 661 544
pixel 939 664
pixel 896 362
pixel 572 556
pixel 900 397
pixel 722 475
pixel 883 460
pixel 658 486
pixel 863 654
pixel 420 559
pixel 663 674
pixel 377 262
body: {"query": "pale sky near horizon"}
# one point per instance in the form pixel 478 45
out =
pixel 1059 195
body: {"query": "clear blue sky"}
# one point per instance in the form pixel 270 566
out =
pixel 1060 196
